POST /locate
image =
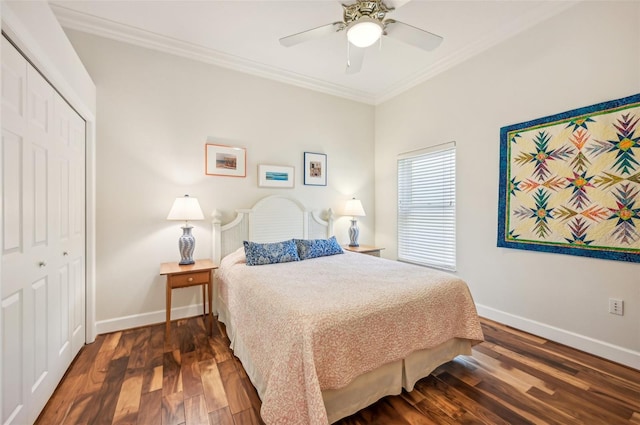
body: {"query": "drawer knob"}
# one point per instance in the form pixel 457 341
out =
pixel 65 253
pixel 42 263
pixel 190 279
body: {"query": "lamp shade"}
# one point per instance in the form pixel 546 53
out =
pixel 185 208
pixel 364 32
pixel 354 208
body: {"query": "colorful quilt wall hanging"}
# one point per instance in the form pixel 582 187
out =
pixel 570 182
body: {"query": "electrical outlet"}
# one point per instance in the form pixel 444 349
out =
pixel 616 306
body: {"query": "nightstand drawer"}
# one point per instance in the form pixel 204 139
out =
pixel 188 279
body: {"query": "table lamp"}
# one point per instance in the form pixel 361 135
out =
pixel 354 209
pixel 186 208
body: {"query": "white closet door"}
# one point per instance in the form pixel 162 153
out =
pixel 69 136
pixel 42 282
pixel 14 129
pixel 77 246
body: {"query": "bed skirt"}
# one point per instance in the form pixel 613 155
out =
pixel 368 388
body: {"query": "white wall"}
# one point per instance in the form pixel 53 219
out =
pixel 156 111
pixel 588 54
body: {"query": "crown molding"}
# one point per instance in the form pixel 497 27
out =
pixel 545 11
pixel 91 24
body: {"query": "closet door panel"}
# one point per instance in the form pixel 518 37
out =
pixel 65 218
pixel 63 337
pixel 77 312
pixel 14 393
pixel 14 88
pixel 70 140
pixel 40 114
pixel 14 124
pixel 14 356
pixel 40 366
pixel 11 193
pixel 61 134
pixel 42 370
pixel 39 167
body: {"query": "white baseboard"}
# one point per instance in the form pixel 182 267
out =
pixel 584 343
pixel 145 319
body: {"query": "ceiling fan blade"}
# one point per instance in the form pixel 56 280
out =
pixel 301 37
pixel 412 35
pixel 396 3
pixel 355 59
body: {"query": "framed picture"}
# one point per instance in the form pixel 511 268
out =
pixel 223 160
pixel 315 169
pixel 275 176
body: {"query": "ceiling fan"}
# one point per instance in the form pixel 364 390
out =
pixel 365 23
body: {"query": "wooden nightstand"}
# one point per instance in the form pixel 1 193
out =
pixel 364 249
pixel 179 276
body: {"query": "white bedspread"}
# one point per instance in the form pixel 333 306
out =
pixel 317 324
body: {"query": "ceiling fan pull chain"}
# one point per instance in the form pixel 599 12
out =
pixel 348 54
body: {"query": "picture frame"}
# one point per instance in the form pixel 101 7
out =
pixel 221 160
pixel 276 176
pixel 315 169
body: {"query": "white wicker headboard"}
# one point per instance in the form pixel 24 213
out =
pixel 271 219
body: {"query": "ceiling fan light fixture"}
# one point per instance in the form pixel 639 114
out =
pixel 364 32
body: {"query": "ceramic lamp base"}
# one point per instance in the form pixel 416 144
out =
pixel 354 232
pixel 186 245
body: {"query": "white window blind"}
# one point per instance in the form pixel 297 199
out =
pixel 427 207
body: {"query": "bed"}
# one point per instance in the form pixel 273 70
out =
pixel 325 337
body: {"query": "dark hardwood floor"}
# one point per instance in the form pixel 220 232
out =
pixel 133 377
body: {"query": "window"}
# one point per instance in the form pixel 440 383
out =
pixel 427 207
